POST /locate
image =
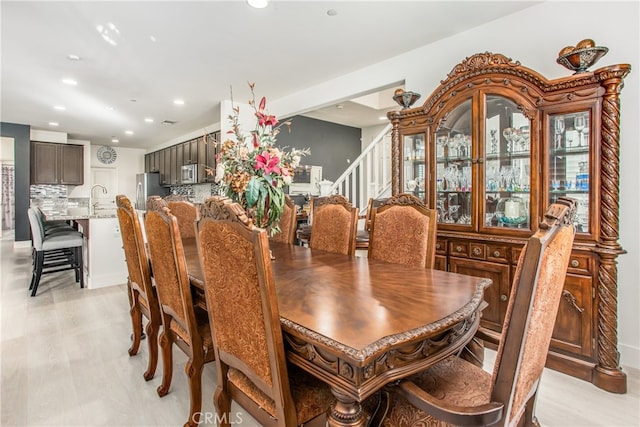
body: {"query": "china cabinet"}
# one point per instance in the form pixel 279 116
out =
pixel 494 145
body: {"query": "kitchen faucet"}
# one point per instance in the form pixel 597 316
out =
pixel 93 205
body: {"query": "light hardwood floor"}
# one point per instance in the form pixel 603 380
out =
pixel 64 362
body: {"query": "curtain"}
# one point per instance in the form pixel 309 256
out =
pixel 8 197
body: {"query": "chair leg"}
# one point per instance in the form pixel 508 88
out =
pixel 152 334
pixel 79 266
pixel 136 322
pixel 222 401
pixel 37 272
pixel 193 369
pixel 166 345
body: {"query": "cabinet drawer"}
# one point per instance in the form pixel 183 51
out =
pixel 498 253
pixel 460 249
pixel 580 263
pixel 441 247
pixel 477 251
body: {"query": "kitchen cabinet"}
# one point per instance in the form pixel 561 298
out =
pixel 490 149
pixel 169 161
pixel 57 163
pixel 191 151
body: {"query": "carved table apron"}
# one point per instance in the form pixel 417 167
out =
pixel 358 324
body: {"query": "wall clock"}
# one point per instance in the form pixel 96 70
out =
pixel 107 155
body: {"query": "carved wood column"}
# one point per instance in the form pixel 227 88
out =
pixel 608 374
pixel 395 158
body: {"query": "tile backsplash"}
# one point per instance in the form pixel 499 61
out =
pixel 53 198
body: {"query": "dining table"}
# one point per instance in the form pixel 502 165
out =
pixel 358 324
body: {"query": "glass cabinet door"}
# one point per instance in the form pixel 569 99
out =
pixel 454 151
pixel 507 165
pixel 413 152
pixel 568 174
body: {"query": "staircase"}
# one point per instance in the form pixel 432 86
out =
pixel 369 175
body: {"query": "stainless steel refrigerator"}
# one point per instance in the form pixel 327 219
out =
pixel 148 184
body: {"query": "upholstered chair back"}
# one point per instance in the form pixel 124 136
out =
pixel 543 261
pixel 334 225
pixel 187 214
pixel 239 285
pixel 169 269
pixel 403 231
pixel 142 295
pixel 288 223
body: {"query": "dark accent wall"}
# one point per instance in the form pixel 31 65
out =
pixel 331 144
pixel 21 135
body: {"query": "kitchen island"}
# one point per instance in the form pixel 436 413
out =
pixel 102 253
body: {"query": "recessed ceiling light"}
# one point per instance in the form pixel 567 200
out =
pixel 115 140
pixel 59 107
pixel 128 132
pixel 108 108
pixel 73 57
pixel 69 82
pixel 258 4
pixel 339 106
pixel 178 101
pixel 152 38
pixel 53 123
pixel 148 120
pixel 382 118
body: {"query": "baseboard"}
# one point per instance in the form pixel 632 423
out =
pixel 629 356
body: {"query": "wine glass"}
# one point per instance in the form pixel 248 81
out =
pixel 559 129
pixel 508 135
pixel 580 123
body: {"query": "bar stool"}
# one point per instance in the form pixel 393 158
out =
pixel 57 251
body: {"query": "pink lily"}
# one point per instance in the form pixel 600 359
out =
pixel 268 163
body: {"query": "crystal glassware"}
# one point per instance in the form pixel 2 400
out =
pixel 580 123
pixel 558 126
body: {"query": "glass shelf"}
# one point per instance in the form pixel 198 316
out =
pixel 569 166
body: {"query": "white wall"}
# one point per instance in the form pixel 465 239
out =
pixel 7 153
pixel 128 163
pixel 534 37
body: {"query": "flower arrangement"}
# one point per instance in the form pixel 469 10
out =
pixel 252 170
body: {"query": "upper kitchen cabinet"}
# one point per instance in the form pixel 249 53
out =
pixel 57 163
pixel 490 149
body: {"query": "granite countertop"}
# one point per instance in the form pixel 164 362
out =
pixel 74 214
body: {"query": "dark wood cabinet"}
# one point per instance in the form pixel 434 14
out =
pixel 191 151
pixel 57 163
pixel 170 160
pixel 490 149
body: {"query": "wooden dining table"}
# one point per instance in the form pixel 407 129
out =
pixel 358 324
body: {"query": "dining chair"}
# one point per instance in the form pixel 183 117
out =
pixel 186 213
pixel 54 251
pixel 143 298
pixel 288 223
pixel 251 365
pixel 456 392
pixel 183 324
pixel 333 225
pixel 403 231
pixel 362 236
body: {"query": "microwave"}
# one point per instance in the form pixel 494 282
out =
pixel 189 174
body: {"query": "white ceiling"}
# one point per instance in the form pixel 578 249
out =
pixel 201 50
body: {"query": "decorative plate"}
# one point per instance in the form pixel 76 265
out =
pixel 107 155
